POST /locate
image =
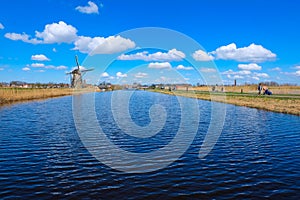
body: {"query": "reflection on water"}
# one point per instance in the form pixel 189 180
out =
pixel 41 155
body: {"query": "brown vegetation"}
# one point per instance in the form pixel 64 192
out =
pixel 286 99
pixel 11 95
pixel 252 89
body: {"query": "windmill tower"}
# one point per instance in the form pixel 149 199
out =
pixel 77 74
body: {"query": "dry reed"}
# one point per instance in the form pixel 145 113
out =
pixel 11 95
pixel 289 104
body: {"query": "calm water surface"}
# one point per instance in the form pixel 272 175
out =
pixel 42 157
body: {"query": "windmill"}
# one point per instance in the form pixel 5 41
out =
pixel 76 75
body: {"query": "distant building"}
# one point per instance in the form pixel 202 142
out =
pixel 105 86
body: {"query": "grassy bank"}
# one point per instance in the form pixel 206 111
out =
pixel 12 95
pixel 287 102
pixel 284 100
pixel 252 89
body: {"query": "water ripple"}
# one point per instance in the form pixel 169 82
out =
pixel 42 157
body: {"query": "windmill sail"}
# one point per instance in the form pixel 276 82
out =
pixel 76 58
pixel 76 75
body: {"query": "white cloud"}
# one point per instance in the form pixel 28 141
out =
pixel 101 45
pixel 244 72
pixel 41 71
pixel 39 57
pixel 171 55
pixel 235 76
pixel 252 53
pixel 207 70
pixel 158 65
pixel 255 78
pixel 1 68
pixel 181 67
pixel 23 37
pixel 61 67
pixel 53 33
pixel 121 75
pixel 138 56
pixel 276 69
pixel 175 53
pixel 104 75
pixel 80 67
pixel 86 44
pixel 228 72
pixel 238 77
pixel 50 67
pixel 261 75
pixel 92 8
pixel 1 26
pixel 297 73
pixel 63 33
pixel 249 67
pixel 140 75
pixel 202 56
pixel 54 50
pixel 37 65
pixel 42 65
pixel 297 67
pixel 231 72
pixel 26 69
pixel 57 33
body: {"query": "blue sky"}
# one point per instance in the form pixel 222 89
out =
pixel 247 40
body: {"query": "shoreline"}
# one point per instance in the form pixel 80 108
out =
pixel 280 103
pixel 10 96
pixel 286 104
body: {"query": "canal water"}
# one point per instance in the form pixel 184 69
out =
pixel 42 155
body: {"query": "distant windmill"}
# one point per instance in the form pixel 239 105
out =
pixel 76 75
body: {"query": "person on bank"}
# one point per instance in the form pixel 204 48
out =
pixel 259 88
pixel 267 91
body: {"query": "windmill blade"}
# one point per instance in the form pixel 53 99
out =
pixel 76 58
pixel 86 70
pixel 69 73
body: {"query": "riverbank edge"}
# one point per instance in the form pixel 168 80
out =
pixel 42 94
pixel 285 105
pixel 274 104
